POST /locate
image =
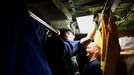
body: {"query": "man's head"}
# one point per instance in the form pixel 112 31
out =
pixel 67 34
pixel 93 52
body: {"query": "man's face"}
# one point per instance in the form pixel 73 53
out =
pixel 90 52
pixel 70 35
pixel 93 51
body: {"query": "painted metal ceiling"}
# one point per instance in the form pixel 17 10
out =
pixel 60 12
pixel 123 10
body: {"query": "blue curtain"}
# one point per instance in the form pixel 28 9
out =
pixel 21 48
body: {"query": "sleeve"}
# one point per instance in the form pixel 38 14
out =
pixel 72 48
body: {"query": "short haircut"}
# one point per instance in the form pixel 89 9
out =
pixel 63 31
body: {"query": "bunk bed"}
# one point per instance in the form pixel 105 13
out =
pixel 126 64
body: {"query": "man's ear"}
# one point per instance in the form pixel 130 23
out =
pixel 96 50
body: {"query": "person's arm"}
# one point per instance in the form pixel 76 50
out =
pixel 90 36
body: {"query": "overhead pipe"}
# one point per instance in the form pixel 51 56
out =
pixel 42 22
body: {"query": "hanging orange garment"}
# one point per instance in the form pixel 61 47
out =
pixel 110 44
pixel 113 48
pixel 104 34
pixel 106 38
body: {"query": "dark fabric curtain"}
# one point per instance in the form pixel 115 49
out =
pixel 21 48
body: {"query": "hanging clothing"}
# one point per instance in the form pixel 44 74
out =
pixel 21 50
pixel 110 45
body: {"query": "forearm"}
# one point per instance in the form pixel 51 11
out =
pixel 92 33
pixel 90 36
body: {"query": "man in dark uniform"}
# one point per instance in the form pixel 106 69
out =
pixel 92 67
pixel 73 47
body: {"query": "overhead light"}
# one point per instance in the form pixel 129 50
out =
pixel 85 23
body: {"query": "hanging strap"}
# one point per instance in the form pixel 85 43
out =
pixel 101 15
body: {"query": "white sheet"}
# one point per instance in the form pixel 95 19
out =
pixel 126 43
